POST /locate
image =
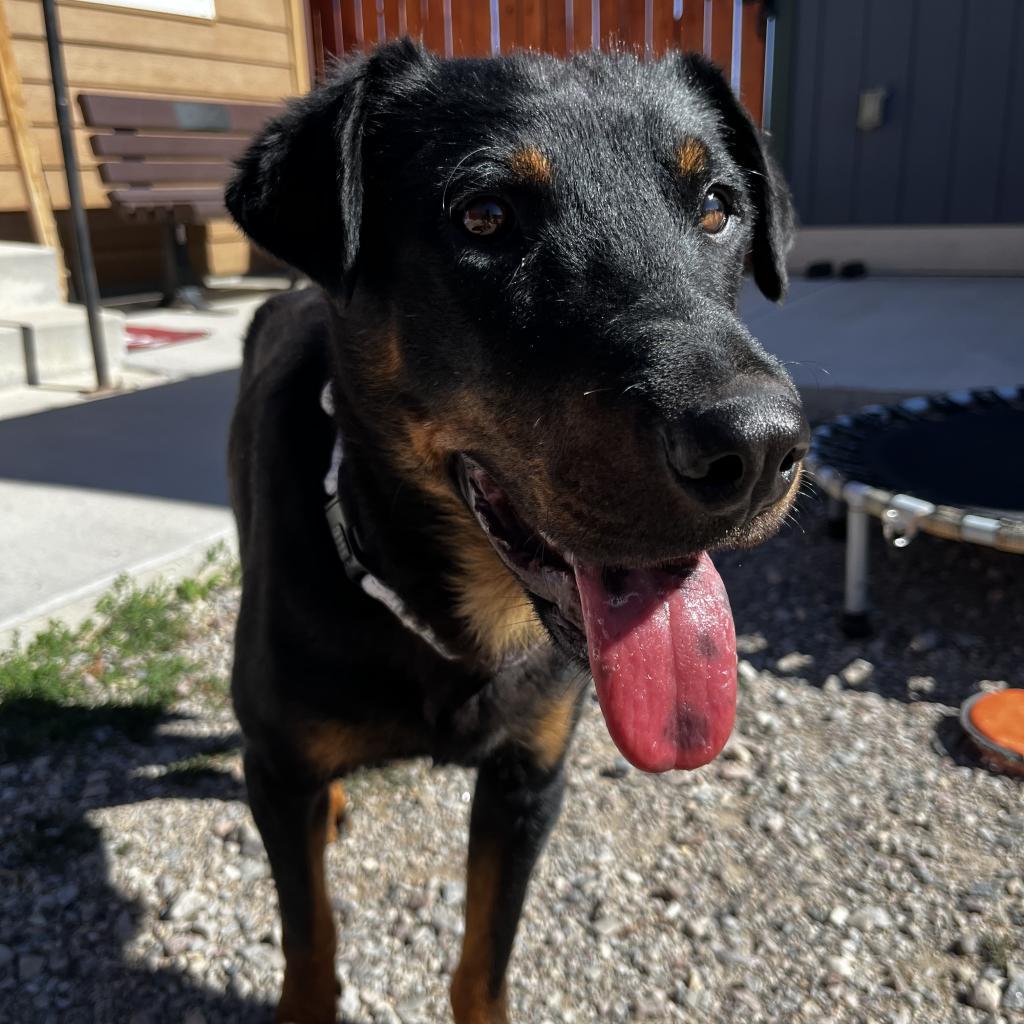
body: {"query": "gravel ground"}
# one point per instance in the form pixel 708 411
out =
pixel 846 860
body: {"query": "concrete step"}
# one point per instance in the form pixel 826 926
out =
pixel 28 277
pixel 61 337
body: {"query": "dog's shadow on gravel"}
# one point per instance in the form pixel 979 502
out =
pixel 64 925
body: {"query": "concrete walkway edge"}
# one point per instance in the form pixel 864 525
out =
pixel 74 606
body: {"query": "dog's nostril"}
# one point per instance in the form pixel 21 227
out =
pixel 791 458
pixel 725 470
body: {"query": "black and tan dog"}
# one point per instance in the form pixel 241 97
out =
pixel 541 411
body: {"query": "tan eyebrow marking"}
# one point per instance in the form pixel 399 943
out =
pixel 531 165
pixel 692 157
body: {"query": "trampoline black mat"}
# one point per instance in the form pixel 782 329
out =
pixel 970 457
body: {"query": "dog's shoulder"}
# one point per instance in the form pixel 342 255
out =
pixel 280 437
pixel 287 332
pixel 285 364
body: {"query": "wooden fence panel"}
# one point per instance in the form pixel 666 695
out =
pixel 581 37
pixel 648 28
pixel 752 61
pixel 555 38
pixel 721 32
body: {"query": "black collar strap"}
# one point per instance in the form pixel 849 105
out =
pixel 345 537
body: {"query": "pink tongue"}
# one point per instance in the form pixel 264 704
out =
pixel 663 653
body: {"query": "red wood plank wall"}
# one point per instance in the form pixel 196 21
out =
pixel 477 27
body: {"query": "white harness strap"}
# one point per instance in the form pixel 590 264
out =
pixel 341 530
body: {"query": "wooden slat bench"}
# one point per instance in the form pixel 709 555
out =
pixel 168 160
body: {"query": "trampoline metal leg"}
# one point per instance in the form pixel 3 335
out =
pixel 855 598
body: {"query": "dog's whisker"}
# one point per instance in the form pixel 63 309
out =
pixel 454 171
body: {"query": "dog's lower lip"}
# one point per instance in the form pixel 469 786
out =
pixel 521 544
pixel 545 567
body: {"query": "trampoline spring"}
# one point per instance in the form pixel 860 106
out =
pixel 900 519
pixel 896 529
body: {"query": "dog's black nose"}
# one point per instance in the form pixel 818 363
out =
pixel 740 453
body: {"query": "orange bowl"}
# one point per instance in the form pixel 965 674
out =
pixel 995 722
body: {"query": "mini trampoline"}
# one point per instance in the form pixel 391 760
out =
pixel 950 465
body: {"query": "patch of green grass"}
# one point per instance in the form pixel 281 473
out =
pixel 199 767
pixel 219 570
pixel 120 668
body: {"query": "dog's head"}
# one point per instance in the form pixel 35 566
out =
pixel 538 264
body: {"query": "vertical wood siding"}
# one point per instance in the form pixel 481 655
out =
pixel 952 143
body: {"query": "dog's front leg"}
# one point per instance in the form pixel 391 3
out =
pixel 517 800
pixel 295 821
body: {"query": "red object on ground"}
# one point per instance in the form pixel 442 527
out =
pixel 995 721
pixel 140 337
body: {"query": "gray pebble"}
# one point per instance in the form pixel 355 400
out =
pixel 1013 995
pixel 794 662
pixel 925 641
pixel 607 926
pixel 252 870
pixel 838 916
pixel 248 839
pixel 30 966
pixel 871 918
pixel 768 722
pixel 746 673
pixel 350 1002
pixel 186 906
pixel 832 684
pixel 618 769
pixel 66 894
pixel 841 966
pixel 736 771
pixel 986 995
pixel 924 685
pixel 858 672
pixel 751 643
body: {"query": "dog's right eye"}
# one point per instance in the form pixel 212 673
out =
pixel 714 213
pixel 484 216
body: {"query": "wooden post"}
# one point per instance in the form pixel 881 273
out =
pixel 298 12
pixel 40 210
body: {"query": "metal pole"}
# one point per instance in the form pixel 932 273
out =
pixel 855 598
pixel 769 73
pixel 736 59
pixel 83 244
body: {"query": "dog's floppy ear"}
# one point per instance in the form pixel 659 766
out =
pixel 298 189
pixel 773 224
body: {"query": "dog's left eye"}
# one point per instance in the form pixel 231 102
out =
pixel 714 213
pixel 484 216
